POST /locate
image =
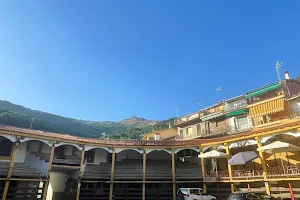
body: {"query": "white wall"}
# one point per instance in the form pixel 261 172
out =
pixel 21 152
pixel 57 183
pixel 100 156
pixel 295 103
pixel 128 154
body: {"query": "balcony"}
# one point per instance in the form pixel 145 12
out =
pixel 291 171
pixel 240 174
pixel 235 105
pixel 186 119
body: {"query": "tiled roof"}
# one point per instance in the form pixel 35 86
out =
pixel 193 142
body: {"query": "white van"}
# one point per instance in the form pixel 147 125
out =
pixel 193 194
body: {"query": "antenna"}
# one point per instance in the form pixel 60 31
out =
pixel 221 90
pixel 200 103
pixel 278 65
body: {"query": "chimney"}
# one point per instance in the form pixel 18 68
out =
pixel 287 75
pixel 156 136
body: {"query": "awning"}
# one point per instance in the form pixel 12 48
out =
pixel 213 154
pixel 261 91
pixel 267 107
pixel 278 147
pixel 242 158
pixel 237 112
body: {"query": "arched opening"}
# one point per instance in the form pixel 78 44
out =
pixel 67 155
pixel 188 165
pixel 159 168
pixel 5 146
pixel 98 164
pixel 129 165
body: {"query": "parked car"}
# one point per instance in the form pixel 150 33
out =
pixel 193 194
pixel 248 196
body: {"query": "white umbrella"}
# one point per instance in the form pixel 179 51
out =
pixel 213 154
pixel 278 147
pixel 242 158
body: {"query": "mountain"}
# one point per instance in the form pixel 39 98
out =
pixel 132 128
pixel 137 122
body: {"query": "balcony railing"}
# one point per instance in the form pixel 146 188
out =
pixel 284 172
pixel 292 171
pixel 240 174
pixel 237 128
pixel 186 118
pixel 242 103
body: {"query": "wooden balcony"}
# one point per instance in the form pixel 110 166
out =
pixel 292 171
pixel 240 174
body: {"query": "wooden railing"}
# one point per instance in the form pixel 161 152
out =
pixel 236 174
pixel 284 171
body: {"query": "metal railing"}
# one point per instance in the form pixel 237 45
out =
pixel 236 174
pixel 237 128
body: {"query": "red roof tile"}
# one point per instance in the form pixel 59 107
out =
pixel 194 142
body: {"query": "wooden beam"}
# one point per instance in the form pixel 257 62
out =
pixel 144 175
pixel 80 172
pixel 11 165
pixel 45 189
pixel 173 174
pixel 112 174
pixel 263 164
pixel 203 171
pixel 65 166
pixel 229 168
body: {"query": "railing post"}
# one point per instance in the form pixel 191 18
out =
pixel 80 172
pixel 11 165
pixel 173 174
pixel 45 190
pixel 229 168
pixel 144 174
pixel 112 174
pixel 264 167
pixel 203 171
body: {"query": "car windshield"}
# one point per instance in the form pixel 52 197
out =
pixel 235 197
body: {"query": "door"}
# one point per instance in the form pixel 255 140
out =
pixel 195 194
pixel 204 195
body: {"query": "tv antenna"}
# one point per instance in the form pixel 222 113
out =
pixel 278 65
pixel 199 103
pixel 221 90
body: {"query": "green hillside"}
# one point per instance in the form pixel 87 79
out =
pixel 132 128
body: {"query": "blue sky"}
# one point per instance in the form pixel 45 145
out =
pixel 109 60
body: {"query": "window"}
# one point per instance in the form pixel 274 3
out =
pixel 198 127
pixel 217 124
pixel 184 191
pixel 194 191
pixel 181 132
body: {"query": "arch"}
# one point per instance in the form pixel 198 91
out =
pixel 158 154
pixel 48 142
pixel 119 150
pixel 70 144
pixel 181 149
pixel 294 134
pixel 207 148
pixel 87 148
pixel 12 138
pixel 150 150
pixel 128 154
